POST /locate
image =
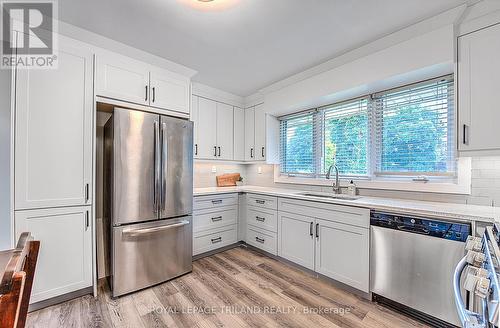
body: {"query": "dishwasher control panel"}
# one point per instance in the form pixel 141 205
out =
pixel 431 227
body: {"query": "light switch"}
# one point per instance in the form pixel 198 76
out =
pixel 259 170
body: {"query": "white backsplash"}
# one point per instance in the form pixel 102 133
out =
pixel 204 177
pixel 485 182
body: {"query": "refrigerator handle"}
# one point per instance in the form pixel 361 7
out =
pixel 164 166
pixel 157 165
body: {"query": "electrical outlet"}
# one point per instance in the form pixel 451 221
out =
pixel 214 169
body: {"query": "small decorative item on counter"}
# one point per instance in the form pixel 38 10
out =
pixel 239 182
pixel 351 188
pixel 228 180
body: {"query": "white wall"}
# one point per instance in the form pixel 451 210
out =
pixel 424 56
pixel 5 138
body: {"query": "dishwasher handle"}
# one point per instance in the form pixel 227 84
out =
pixel 467 317
pixel 418 230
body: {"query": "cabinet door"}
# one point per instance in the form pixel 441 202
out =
pixel 122 78
pixel 239 134
pixel 65 259
pixel 260 133
pixel 249 134
pixel 195 118
pixel 169 91
pixel 53 132
pixel 478 72
pixel 296 239
pixel 207 129
pixel 342 253
pixel 224 131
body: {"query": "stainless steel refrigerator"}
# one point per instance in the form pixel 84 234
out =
pixel 148 195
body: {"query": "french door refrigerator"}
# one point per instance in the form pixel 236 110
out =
pixel 148 195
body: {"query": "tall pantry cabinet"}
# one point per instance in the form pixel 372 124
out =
pixel 53 168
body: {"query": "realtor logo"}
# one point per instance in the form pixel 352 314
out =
pixel 28 33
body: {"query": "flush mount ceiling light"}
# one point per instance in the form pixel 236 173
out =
pixel 210 5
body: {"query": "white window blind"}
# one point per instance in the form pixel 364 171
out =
pixel 298 140
pixel 414 127
pixel 409 131
pixel 346 135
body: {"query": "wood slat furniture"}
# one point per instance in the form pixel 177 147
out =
pixel 17 271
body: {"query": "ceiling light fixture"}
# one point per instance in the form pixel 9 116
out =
pixel 210 5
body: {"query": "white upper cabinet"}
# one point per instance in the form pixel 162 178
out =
pixel 122 78
pixel 260 133
pixel 169 91
pixel 478 80
pixel 224 131
pixel 65 259
pixel 250 134
pixel 207 127
pixel 239 134
pixel 126 79
pixel 53 131
pixel 195 118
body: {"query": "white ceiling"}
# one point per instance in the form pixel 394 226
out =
pixel 241 46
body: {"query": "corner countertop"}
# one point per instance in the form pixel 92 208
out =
pixel 450 211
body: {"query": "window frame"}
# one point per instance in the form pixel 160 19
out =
pixel 373 141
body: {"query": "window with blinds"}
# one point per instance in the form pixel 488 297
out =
pixel 407 131
pixel 297 154
pixel 346 137
pixel 414 129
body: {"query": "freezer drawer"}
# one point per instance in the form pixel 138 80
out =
pixel 150 253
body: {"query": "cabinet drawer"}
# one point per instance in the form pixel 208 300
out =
pixel 214 218
pixel 267 241
pixel 262 218
pixel 262 201
pixel 207 242
pixel 214 201
pixel 355 216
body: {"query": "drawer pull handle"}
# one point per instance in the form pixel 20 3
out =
pixel 217 218
pixel 218 201
pixel 260 240
pixel 216 240
pixel 258 201
pixel 260 219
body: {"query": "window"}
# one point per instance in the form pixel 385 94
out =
pixel 407 131
pixel 415 129
pixel 297 144
pixel 346 137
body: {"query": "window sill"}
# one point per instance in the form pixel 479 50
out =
pixel 462 186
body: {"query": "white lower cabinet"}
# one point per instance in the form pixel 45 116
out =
pixel 296 239
pixel 210 240
pixel 215 222
pixel 342 253
pixel 260 238
pixel 65 258
pixel 331 241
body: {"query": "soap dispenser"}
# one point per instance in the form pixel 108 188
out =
pixel 351 188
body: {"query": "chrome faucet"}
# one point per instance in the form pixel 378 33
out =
pixel 336 185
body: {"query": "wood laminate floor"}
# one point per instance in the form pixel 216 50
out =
pixel 236 288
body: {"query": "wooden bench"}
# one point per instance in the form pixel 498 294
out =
pixel 17 270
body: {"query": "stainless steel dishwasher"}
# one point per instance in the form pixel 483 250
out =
pixel 412 265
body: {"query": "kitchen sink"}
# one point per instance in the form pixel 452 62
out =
pixel 331 196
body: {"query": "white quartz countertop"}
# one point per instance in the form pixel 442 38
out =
pixel 402 206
